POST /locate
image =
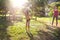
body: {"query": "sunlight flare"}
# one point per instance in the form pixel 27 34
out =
pixel 18 3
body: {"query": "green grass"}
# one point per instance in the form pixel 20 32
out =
pixel 17 30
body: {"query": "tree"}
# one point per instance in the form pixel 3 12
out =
pixel 3 7
pixel 58 0
pixel 38 7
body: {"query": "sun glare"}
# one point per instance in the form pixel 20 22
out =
pixel 18 3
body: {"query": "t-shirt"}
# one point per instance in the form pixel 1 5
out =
pixel 56 12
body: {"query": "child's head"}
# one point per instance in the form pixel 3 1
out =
pixel 55 7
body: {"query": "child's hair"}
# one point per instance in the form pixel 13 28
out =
pixel 56 6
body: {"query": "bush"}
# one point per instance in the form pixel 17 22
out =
pixel 50 14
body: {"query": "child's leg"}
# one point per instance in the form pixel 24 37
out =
pixel 27 25
pixel 53 20
pixel 56 21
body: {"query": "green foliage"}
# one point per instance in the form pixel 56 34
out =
pixel 37 6
pixel 50 14
pixel 52 6
pixel 18 32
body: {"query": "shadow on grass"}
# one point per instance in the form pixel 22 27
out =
pixel 43 35
pixel 30 35
pixel 54 30
pixel 52 33
pixel 3 28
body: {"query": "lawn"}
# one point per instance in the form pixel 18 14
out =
pixel 39 31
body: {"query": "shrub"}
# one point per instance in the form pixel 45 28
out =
pixel 50 14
